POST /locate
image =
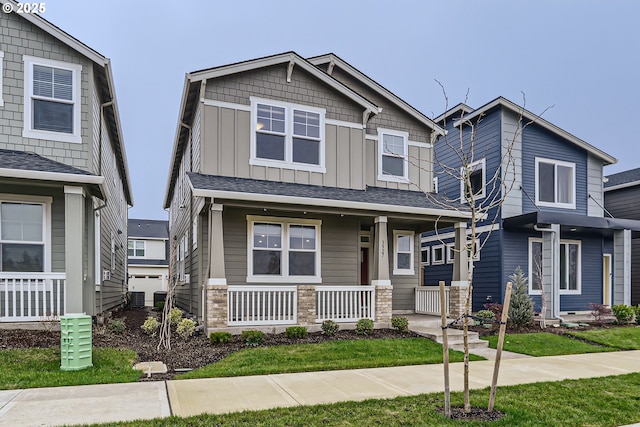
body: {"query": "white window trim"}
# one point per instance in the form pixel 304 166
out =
pixel 288 162
pixel 284 277
pixel 435 261
pixel 577 291
pixel 477 249
pixel 483 193
pixel 144 248
pixel 427 251
pixel 405 156
pixel 556 163
pixel 450 249
pixel 46 220
pixel 1 73
pixel 28 131
pixel 529 256
pixel 403 271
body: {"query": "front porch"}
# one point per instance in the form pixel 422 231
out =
pixel 29 297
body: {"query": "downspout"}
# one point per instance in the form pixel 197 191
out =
pixel 190 229
pixel 555 308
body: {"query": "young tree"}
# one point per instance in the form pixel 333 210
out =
pixel 521 308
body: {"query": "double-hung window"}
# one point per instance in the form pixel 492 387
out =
pixel 283 250
pixel 555 183
pixel 393 152
pixel 136 248
pixel 23 236
pixel 51 100
pixel 287 135
pixel 570 266
pixel 403 252
pixel 473 181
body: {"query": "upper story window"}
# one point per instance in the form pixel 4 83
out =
pixel 1 63
pixel 555 183
pixel 477 174
pixel 403 252
pixel 393 152
pixel 287 135
pixel 51 100
pixel 24 236
pixel 136 248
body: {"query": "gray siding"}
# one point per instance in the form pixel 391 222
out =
pixel 512 164
pixel 595 194
pixel 403 297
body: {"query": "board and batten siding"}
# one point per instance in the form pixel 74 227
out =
pixel 512 164
pixel 595 193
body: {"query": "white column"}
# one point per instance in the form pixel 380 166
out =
pixel 551 270
pixel 622 267
pixel 74 258
pixel 460 258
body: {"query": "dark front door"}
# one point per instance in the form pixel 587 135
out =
pixel 364 266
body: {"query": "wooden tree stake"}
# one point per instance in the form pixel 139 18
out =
pixel 445 352
pixel 503 327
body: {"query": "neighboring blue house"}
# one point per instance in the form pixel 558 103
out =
pixel 551 222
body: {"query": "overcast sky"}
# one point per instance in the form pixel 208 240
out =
pixel 581 57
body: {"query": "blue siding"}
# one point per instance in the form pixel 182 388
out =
pixel 591 274
pixel 538 142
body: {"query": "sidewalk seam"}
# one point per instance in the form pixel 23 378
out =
pixel 166 390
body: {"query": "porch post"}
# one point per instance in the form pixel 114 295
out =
pixel 460 279
pixel 74 258
pixel 551 270
pixel 381 257
pixel 622 267
pixel 217 295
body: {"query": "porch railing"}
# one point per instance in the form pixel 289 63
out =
pixel 345 303
pixel 26 297
pixel 262 305
pixel 428 300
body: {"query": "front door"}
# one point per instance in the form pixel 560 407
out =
pixel 606 279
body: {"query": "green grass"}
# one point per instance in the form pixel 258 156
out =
pixel 330 355
pixel 627 338
pixel 40 367
pixel 606 401
pixel 545 344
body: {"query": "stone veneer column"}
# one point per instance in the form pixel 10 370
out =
pixel 216 306
pixel 384 296
pixel 306 305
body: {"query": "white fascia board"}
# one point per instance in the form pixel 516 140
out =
pixel 621 186
pixel 461 106
pixel 379 88
pixel 51 176
pixel 539 121
pixel 344 204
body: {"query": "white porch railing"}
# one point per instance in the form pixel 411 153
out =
pixel 26 297
pixel 428 300
pixel 345 303
pixel 262 305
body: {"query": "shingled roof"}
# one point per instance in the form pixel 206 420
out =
pixel 150 228
pixel 22 160
pixel 625 178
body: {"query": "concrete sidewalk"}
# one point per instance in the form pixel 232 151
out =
pixel 125 402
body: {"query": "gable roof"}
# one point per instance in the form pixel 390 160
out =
pixel 332 58
pixel 26 165
pixel 191 94
pixel 102 67
pixel 624 179
pixel 150 228
pixel 509 105
pixel 460 107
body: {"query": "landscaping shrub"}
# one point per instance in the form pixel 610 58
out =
pixel 521 305
pixel 175 314
pixel 400 324
pixel 364 327
pixel 252 338
pixel 599 311
pixel 296 332
pixel 117 326
pixel 495 308
pixel 158 306
pixel 150 326
pixel 330 328
pixel 186 328
pixel 220 337
pixel 486 315
pixel 637 312
pixel 624 313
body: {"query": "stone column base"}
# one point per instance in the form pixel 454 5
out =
pixel 306 305
pixel 457 298
pixel 216 306
pixel 384 295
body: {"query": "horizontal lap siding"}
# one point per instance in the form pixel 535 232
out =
pixel 403 296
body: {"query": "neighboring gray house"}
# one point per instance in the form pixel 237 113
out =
pixel 297 194
pixel 64 185
pixel 621 198
pixel 148 253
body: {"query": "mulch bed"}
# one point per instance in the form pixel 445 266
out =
pixel 476 414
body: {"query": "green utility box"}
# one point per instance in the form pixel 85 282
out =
pixel 75 342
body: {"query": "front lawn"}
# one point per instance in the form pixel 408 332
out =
pixel 546 344
pixel 40 367
pixel 606 401
pixel 330 355
pixel 623 338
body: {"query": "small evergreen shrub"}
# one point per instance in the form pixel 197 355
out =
pixel 186 328
pixel 400 324
pixel 117 326
pixel 599 311
pixel 364 327
pixel 252 338
pixel 150 326
pixel 521 305
pixel 158 306
pixel 175 315
pixel 220 337
pixel 296 332
pixel 486 315
pixel 330 328
pixel 624 313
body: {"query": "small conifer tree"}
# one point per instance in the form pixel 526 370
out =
pixel 521 307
